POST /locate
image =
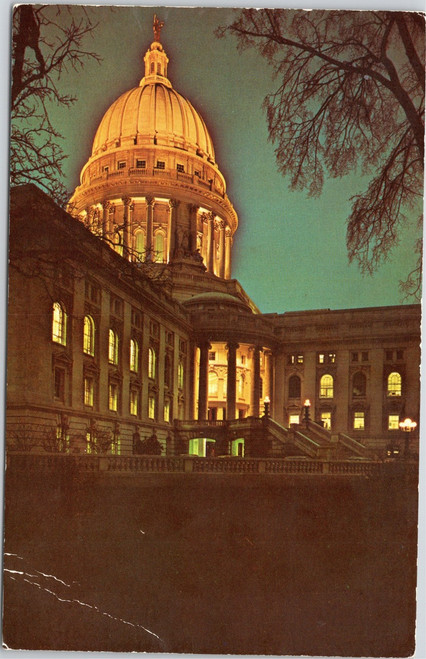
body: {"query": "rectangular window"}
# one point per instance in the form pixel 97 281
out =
pixel 136 319
pixel 121 164
pixel 400 354
pixel 88 391
pixel 389 355
pixel 134 402
pixel 293 418
pixel 197 173
pixel 180 168
pixel 212 356
pixel 300 359
pixel 243 360
pixel 170 338
pixel 151 407
pixel 321 358
pixel 393 422
pixel 331 357
pixel 326 420
pixel 59 383
pixel 354 356
pixel 113 397
pixel 359 420
pixel 365 356
pixel 140 164
pixel 291 359
pixel 106 169
pixel 167 411
pixel 161 164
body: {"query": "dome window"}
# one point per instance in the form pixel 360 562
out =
pixel 180 168
pixel 140 164
pixel 197 173
pixel 121 164
pixel 161 164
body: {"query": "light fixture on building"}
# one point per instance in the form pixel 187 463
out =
pixel 306 410
pixel 266 402
pixel 407 426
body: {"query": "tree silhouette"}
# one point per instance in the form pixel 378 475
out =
pixel 350 98
pixel 47 41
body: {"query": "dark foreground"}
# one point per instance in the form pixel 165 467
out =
pixel 211 564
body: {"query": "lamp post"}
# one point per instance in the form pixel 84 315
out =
pixel 266 402
pixel 407 426
pixel 306 409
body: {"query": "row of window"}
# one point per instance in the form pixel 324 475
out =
pixel 358 420
pixel 141 164
pixel 360 356
pixel 359 385
pixel 59 336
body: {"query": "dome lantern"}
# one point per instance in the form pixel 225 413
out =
pixel 156 59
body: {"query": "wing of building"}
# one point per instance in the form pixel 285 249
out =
pixel 127 334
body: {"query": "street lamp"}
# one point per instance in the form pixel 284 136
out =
pixel 266 402
pixel 306 408
pixel 407 426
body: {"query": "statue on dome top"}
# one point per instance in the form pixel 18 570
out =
pixel 157 27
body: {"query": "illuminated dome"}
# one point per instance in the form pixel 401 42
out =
pixel 151 185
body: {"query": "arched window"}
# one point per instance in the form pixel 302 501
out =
pixel 213 384
pixel 359 384
pixel 152 67
pixel 139 244
pixel 159 247
pixel 394 384
pixel 89 336
pixel 294 389
pixel 180 375
pixel 134 356
pixel 152 363
pixel 59 324
pixel 158 68
pixel 326 386
pixel 112 347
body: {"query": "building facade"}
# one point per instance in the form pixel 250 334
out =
pixel 125 323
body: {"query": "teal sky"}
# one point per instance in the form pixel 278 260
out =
pixel 289 251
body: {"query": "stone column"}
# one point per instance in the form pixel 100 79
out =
pixel 105 216
pixel 111 221
pixel 205 239
pixel 149 227
pixel 173 203
pixel 228 243
pixel 210 242
pixel 255 382
pixel 126 226
pixel 193 227
pixel 203 380
pixel 221 248
pixel 231 380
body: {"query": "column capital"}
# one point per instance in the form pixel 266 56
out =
pixel 232 345
pixel 228 231
pixel 219 223
pixel 106 205
pixel 173 203
pixel 126 200
pixel 193 208
pixel 150 200
pixel 204 344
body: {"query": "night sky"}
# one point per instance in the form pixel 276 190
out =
pixel 289 251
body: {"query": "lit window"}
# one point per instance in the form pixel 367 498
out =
pixel 393 422
pixel 326 420
pixel 359 420
pixel 159 247
pixel 112 347
pixel 113 397
pixel 151 407
pixel 167 411
pixel 394 384
pixel 134 402
pixel 134 356
pixel 88 391
pixel 359 385
pixel 152 363
pixel 180 168
pixel 294 387
pixel 59 324
pixel 241 386
pixel 293 418
pixel 300 359
pixel 161 164
pixel 139 243
pixel 321 358
pixel 331 357
pixel 180 375
pixel 326 386
pixel 213 384
pixel 59 383
pixel 89 336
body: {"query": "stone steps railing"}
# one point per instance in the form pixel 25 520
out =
pixel 102 464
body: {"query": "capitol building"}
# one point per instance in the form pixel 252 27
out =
pixel 127 333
